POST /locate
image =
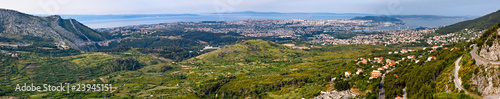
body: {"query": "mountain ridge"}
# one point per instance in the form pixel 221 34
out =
pixel 481 23
pixel 68 32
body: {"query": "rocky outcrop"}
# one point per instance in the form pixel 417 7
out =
pixel 18 25
pixel 486 76
pixel 335 95
pixel 491 52
pixel 486 81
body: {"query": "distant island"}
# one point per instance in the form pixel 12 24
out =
pixel 379 19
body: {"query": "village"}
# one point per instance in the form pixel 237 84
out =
pixel 400 36
pixel 374 69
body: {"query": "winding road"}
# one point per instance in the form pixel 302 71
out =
pixel 478 58
pixel 484 62
pixel 458 82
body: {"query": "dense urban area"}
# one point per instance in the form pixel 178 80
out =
pixel 314 31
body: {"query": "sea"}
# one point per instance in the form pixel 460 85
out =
pixel 108 21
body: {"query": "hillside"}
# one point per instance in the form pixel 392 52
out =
pixel 250 68
pixel 489 43
pixel 28 67
pixel 426 17
pixel 22 28
pixel 480 23
pixel 249 51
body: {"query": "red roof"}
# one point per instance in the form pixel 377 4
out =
pixel 392 63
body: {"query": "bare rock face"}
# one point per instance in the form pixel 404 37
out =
pixel 487 80
pixel 490 52
pixel 17 25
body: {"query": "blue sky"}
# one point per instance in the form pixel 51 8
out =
pixel 385 7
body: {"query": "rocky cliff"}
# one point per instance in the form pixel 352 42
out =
pixel 489 43
pixel 491 52
pixel 486 80
pixel 17 25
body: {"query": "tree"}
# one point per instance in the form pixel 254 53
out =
pixel 342 85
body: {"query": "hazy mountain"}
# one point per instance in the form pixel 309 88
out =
pixel 378 19
pixel 18 26
pixel 429 17
pixel 400 18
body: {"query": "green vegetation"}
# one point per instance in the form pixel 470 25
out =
pixel 247 71
pixel 444 82
pixel 174 53
pixel 250 51
pixel 165 38
pixel 480 23
pixel 170 64
pixel 489 36
pixel 454 96
pixel 342 85
pixel 420 80
pixel 80 30
pixel 41 67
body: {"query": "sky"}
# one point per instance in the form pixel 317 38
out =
pixel 381 7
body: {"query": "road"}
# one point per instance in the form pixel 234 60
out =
pixel 381 94
pixel 458 82
pixel 475 56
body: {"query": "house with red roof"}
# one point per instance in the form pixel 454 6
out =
pixel 347 73
pixel 376 73
pixel 359 71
